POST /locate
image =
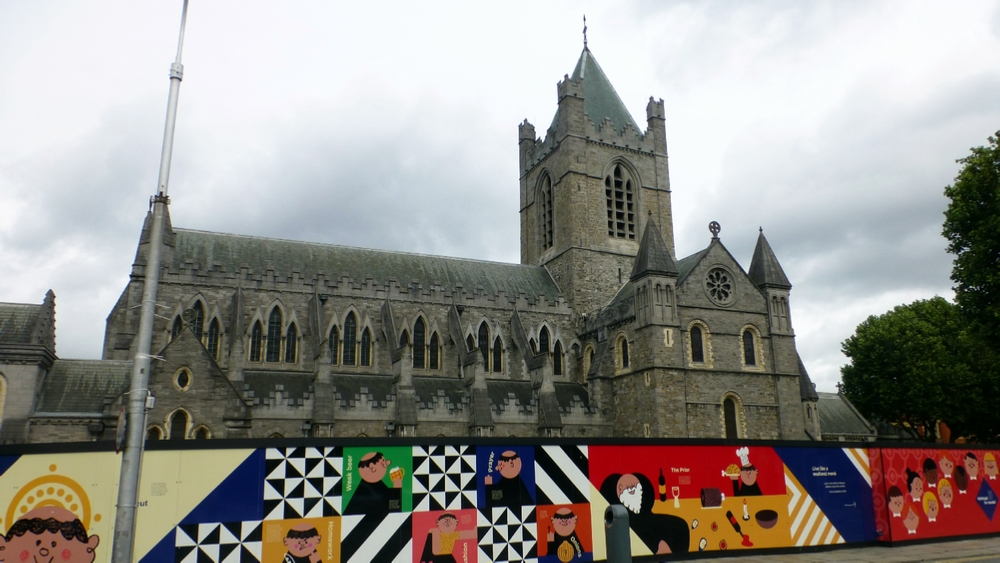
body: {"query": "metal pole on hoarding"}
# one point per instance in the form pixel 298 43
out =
pixel 138 398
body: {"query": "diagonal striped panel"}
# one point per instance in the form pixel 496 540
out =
pixel 809 525
pixel 859 457
pixel 561 474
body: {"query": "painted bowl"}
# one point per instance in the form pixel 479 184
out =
pixel 766 518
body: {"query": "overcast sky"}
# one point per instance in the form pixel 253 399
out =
pixel 835 126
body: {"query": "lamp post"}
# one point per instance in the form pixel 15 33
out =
pixel 138 399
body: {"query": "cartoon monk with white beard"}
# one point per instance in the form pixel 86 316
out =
pixel 662 533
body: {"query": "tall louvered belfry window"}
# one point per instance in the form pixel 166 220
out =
pixel 350 339
pixel 619 192
pixel 546 218
pixel 273 344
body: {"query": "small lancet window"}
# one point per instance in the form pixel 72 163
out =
pixel 749 350
pixel 291 344
pixel 729 409
pixel 366 348
pixel 497 355
pixel 433 352
pixel 273 343
pixel 213 339
pixel 178 426
pixel 199 319
pixel 334 344
pixel 470 343
pixel 484 345
pixel 256 336
pixel 176 329
pixel 543 340
pixel 697 346
pixel 418 344
pixel 557 359
pixel 350 339
pixel 153 433
pixel 201 433
pixel 624 353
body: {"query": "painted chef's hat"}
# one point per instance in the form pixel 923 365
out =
pixel 744 454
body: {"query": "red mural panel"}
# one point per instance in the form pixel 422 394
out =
pixel 931 493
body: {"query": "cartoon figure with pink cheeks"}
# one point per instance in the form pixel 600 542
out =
pixel 946 492
pixel 971 466
pixel 896 501
pixel 48 534
pixel 911 521
pixel 914 484
pixel 990 466
pixel 946 465
pixel 301 542
pixel 930 504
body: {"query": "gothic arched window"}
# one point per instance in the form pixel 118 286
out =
pixel 418 344
pixel 256 336
pixel 334 344
pixel 178 425
pixel 366 348
pixel 543 340
pixel 273 343
pixel 350 339
pixel 291 344
pixel 433 352
pixel 623 352
pixel 546 217
pixel 697 346
pixel 619 193
pixel 729 412
pixel 213 339
pixel 497 355
pixel 557 359
pixel 484 345
pixel 176 329
pixel 199 319
pixel 749 349
pixel 470 343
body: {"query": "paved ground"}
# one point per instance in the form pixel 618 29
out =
pixel 984 550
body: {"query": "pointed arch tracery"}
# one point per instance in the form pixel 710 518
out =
pixel 256 341
pixel 272 352
pixel 350 338
pixel 213 338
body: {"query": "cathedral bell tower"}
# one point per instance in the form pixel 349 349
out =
pixel 588 188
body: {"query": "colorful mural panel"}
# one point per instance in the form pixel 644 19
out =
pixel 340 502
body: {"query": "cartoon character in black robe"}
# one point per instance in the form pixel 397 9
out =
pixel 509 490
pixel 372 496
pixel 662 533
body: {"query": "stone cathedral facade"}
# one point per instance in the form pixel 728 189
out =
pixel 600 331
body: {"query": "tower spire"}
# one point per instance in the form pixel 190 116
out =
pixel 585 31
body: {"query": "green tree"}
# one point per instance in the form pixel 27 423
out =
pixel 972 227
pixel 916 365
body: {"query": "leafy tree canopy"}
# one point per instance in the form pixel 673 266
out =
pixel 972 227
pixel 918 364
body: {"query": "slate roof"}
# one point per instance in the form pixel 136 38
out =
pixel 430 389
pixel 838 416
pixel 519 395
pixel 80 386
pixel 351 389
pixel 764 268
pixel 599 97
pixel 17 322
pixel 232 252
pixel 277 387
pixel 653 256
pixel 806 386
pixel 685 265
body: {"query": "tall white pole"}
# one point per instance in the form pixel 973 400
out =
pixel 128 483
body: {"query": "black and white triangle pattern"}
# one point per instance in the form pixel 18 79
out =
pixel 506 535
pixel 562 474
pixel 302 483
pixel 226 542
pixel 444 478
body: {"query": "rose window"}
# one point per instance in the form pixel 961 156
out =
pixel 719 286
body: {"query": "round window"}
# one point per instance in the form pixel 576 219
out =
pixel 720 286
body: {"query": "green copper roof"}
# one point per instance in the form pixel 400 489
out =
pixel 599 97
pixel 231 252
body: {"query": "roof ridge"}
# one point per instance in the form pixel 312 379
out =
pixel 382 250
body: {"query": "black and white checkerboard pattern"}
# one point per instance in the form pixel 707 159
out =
pixel 444 478
pixel 226 542
pixel 562 474
pixel 506 535
pixel 302 483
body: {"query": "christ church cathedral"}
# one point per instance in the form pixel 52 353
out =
pixel 600 331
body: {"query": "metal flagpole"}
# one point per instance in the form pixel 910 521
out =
pixel 138 398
